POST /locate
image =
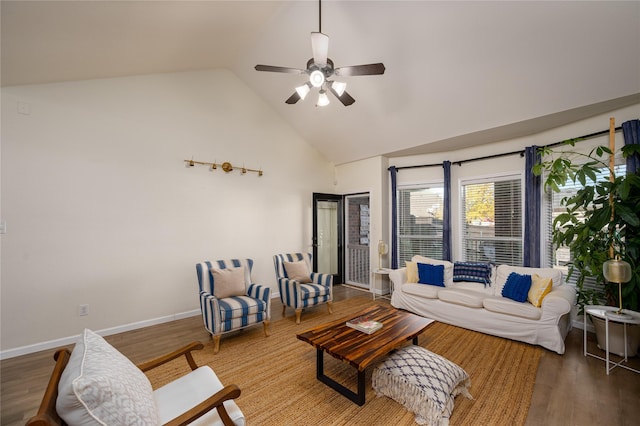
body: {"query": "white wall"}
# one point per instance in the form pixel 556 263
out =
pixel 102 210
pixel 370 176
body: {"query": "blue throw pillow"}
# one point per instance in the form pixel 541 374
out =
pixel 479 272
pixel 517 287
pixel 431 274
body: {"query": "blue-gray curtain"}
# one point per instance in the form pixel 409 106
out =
pixel 532 205
pixel 631 133
pixel 394 217
pixel 446 220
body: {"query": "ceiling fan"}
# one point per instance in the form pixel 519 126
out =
pixel 320 70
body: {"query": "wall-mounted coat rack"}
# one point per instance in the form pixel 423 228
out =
pixel 226 166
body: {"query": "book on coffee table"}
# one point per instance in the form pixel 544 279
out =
pixel 364 324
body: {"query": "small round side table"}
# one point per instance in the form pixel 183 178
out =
pixel 607 313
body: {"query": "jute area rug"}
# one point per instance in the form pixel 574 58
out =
pixel 276 375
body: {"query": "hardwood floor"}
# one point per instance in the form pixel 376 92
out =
pixel 570 389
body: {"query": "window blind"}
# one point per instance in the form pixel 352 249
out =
pixel 561 257
pixel 492 228
pixel 420 216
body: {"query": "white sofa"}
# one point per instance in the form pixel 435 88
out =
pixel 482 308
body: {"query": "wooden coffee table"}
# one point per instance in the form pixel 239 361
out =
pixel 360 349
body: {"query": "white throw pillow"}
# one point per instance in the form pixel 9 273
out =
pixel 228 282
pixel 424 382
pixel 298 271
pixel 100 386
pixel 448 267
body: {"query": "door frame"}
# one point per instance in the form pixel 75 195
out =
pixel 347 233
pixel 318 196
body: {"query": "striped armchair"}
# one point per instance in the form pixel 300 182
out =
pixel 298 295
pixel 248 306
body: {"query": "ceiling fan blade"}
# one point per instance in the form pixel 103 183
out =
pixel 293 98
pixel 369 69
pixel 345 98
pixel 272 68
pixel 320 48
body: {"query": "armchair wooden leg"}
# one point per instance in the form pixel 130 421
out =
pixel 298 314
pixel 265 325
pixel 330 307
pixel 284 308
pixel 216 343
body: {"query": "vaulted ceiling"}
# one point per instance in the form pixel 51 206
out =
pixel 458 74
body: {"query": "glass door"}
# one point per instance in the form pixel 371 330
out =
pixel 357 225
pixel 327 235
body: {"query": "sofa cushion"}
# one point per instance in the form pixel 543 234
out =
pixel 471 286
pixel 448 267
pixel 100 386
pixel 424 382
pixel 240 306
pixel 431 274
pixel 479 272
pixel 428 291
pixel 412 272
pixel 517 287
pixel 312 290
pixel 467 298
pixel 502 305
pixel 540 287
pixel 503 271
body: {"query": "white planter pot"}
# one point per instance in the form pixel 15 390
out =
pixel 616 337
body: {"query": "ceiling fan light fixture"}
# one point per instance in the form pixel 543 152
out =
pixel 339 87
pixel 303 90
pixel 323 99
pixel 316 78
pixel 320 68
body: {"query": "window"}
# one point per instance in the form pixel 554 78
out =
pixel 492 220
pixel 561 257
pixel 420 215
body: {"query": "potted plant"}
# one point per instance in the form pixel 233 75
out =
pixel 602 220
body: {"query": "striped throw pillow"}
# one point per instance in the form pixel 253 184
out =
pixel 479 272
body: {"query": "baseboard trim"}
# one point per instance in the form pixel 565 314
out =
pixel 579 323
pixel 356 287
pixel 64 341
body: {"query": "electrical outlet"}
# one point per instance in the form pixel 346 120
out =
pixel 83 310
pixel 24 108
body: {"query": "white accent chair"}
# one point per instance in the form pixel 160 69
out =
pixel 95 385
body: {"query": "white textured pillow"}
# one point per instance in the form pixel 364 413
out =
pixel 228 282
pixel 448 267
pixel 100 386
pixel 298 271
pixel 424 382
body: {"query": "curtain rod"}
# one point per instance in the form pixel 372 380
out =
pixel 521 152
